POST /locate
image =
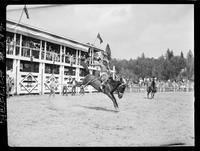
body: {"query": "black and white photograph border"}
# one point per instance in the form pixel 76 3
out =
pixel 100 75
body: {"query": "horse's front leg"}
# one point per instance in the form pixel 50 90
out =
pixel 115 100
pixel 111 96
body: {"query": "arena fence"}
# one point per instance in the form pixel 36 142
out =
pixel 160 89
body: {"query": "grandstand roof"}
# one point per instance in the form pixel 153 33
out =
pixel 45 35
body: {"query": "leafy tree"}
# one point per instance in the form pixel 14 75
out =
pixel 165 67
pixel 182 56
pixel 169 54
pixel 190 65
pixel 143 56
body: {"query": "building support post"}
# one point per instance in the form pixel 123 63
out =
pixel 61 78
pixel 14 49
pixel 20 46
pixel 61 52
pixel 45 50
pixel 18 77
pixel 15 75
pixel 76 57
pixel 41 73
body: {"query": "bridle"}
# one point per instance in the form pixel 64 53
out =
pixel 122 84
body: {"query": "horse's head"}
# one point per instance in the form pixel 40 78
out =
pixel 120 90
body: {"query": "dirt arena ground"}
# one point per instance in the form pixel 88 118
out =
pixel 90 120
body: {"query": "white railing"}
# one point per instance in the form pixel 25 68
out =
pixel 183 88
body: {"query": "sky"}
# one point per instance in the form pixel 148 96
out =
pixel 129 29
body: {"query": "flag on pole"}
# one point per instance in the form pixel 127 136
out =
pixel 26 11
pixel 99 37
pixel 108 52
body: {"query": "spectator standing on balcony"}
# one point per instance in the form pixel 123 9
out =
pixel 82 59
pixel 85 63
pixel 67 57
pixel 87 60
pixel 71 59
pixel 8 45
pixel 11 46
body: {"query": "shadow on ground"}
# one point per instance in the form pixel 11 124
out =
pixel 98 108
pixel 173 144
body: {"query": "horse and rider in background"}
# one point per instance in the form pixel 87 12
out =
pixel 151 88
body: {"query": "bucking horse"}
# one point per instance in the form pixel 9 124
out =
pixel 110 86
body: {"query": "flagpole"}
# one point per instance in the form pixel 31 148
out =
pixel 19 19
pixel 95 40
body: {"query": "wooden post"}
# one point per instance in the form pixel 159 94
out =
pixel 14 49
pixel 20 45
pixel 18 76
pixel 31 59
pixel 40 77
pixel 45 50
pixel 53 62
pixel 76 63
pixel 79 57
pixel 61 53
pixel 40 54
pixel 15 75
pixel 64 54
pixel 61 78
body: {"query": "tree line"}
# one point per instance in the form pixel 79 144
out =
pixel 165 67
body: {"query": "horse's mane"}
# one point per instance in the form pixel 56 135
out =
pixel 114 83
